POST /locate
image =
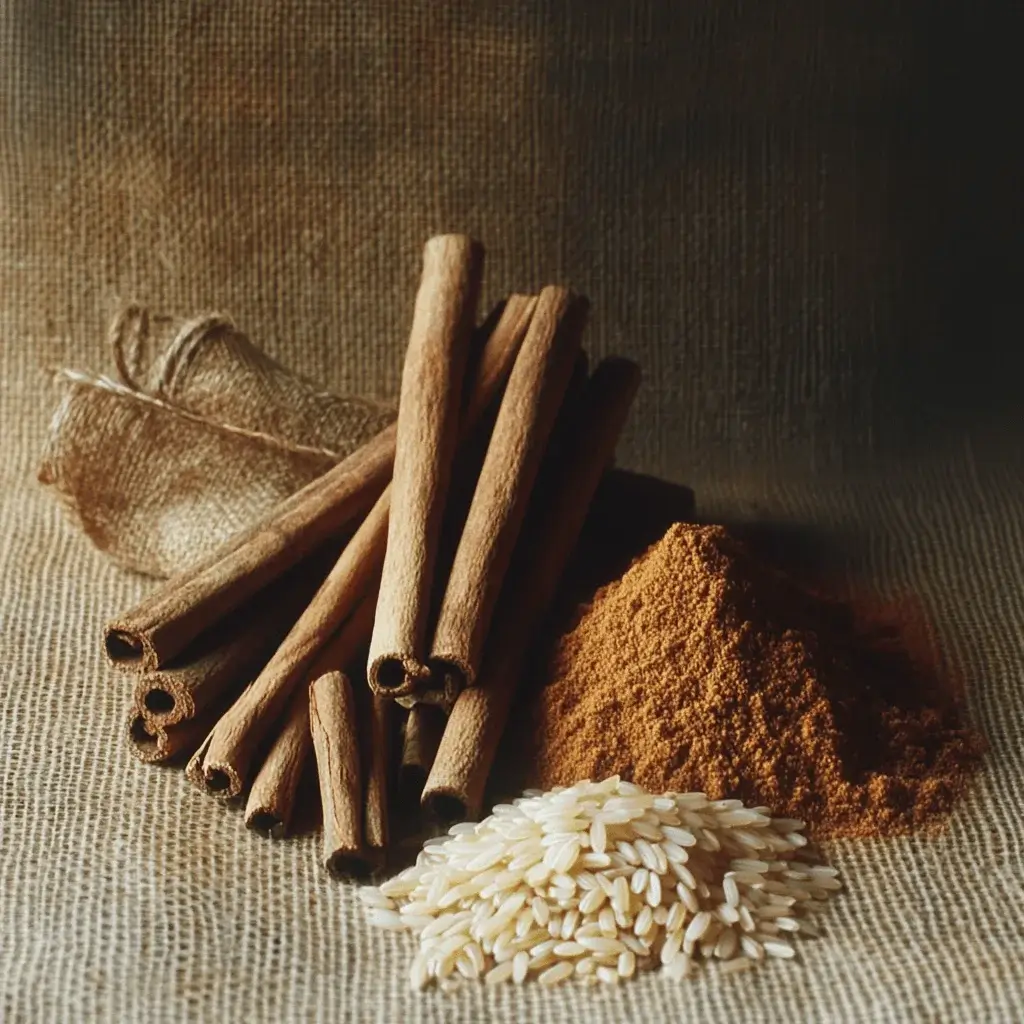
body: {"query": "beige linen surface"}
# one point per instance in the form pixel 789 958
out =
pixel 782 211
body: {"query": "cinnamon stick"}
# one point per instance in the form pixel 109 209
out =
pixel 455 787
pixel 229 749
pixel 194 765
pixel 533 397
pixel 428 414
pixel 356 571
pixel 154 743
pixel 272 797
pixel 376 832
pixel 422 736
pixel 227 655
pixel 172 616
pixel 332 719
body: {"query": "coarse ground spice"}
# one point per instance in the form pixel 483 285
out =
pixel 702 668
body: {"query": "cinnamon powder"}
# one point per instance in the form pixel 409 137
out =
pixel 702 668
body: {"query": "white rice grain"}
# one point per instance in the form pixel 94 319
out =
pixel 731 890
pixel 553 975
pixel 620 897
pixel 387 919
pixel 654 890
pixel 520 966
pixel 644 922
pixel 688 898
pixel 373 897
pixel 671 947
pixel 593 901
pixel 638 883
pixel 684 874
pixel 601 945
pixel 626 964
pixel 496 975
pixel 697 927
pixel 778 947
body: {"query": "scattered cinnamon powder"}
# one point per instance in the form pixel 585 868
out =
pixel 704 669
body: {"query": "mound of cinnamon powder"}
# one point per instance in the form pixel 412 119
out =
pixel 703 669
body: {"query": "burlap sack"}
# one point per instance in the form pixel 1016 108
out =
pixel 201 433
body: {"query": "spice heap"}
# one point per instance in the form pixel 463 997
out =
pixel 601 880
pixel 703 668
pixel 255 654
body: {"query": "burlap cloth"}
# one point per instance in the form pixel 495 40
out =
pixel 789 213
pixel 198 435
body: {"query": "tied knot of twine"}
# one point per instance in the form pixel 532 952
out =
pixel 130 338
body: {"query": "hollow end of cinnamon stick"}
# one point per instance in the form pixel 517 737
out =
pixel 124 648
pixel 221 780
pixel 389 672
pixel 153 743
pixel 194 765
pixel 396 674
pixel 162 702
pixel 145 739
pixel 266 823
pixel 348 864
pixel 159 701
pixel 444 807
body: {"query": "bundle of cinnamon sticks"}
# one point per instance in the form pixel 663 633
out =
pixel 407 582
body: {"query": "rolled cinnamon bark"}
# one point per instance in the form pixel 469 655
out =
pixel 194 765
pixel 376 817
pixel 422 736
pixel 428 415
pixel 272 797
pixel 233 741
pixel 357 569
pixel 162 626
pixel 154 743
pixel 332 718
pixel 228 655
pixel 455 787
pixel 533 397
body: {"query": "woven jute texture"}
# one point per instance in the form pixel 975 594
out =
pixel 200 435
pixel 793 215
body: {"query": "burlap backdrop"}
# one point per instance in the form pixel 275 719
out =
pixel 794 215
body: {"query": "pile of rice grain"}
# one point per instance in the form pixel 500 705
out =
pixel 601 880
